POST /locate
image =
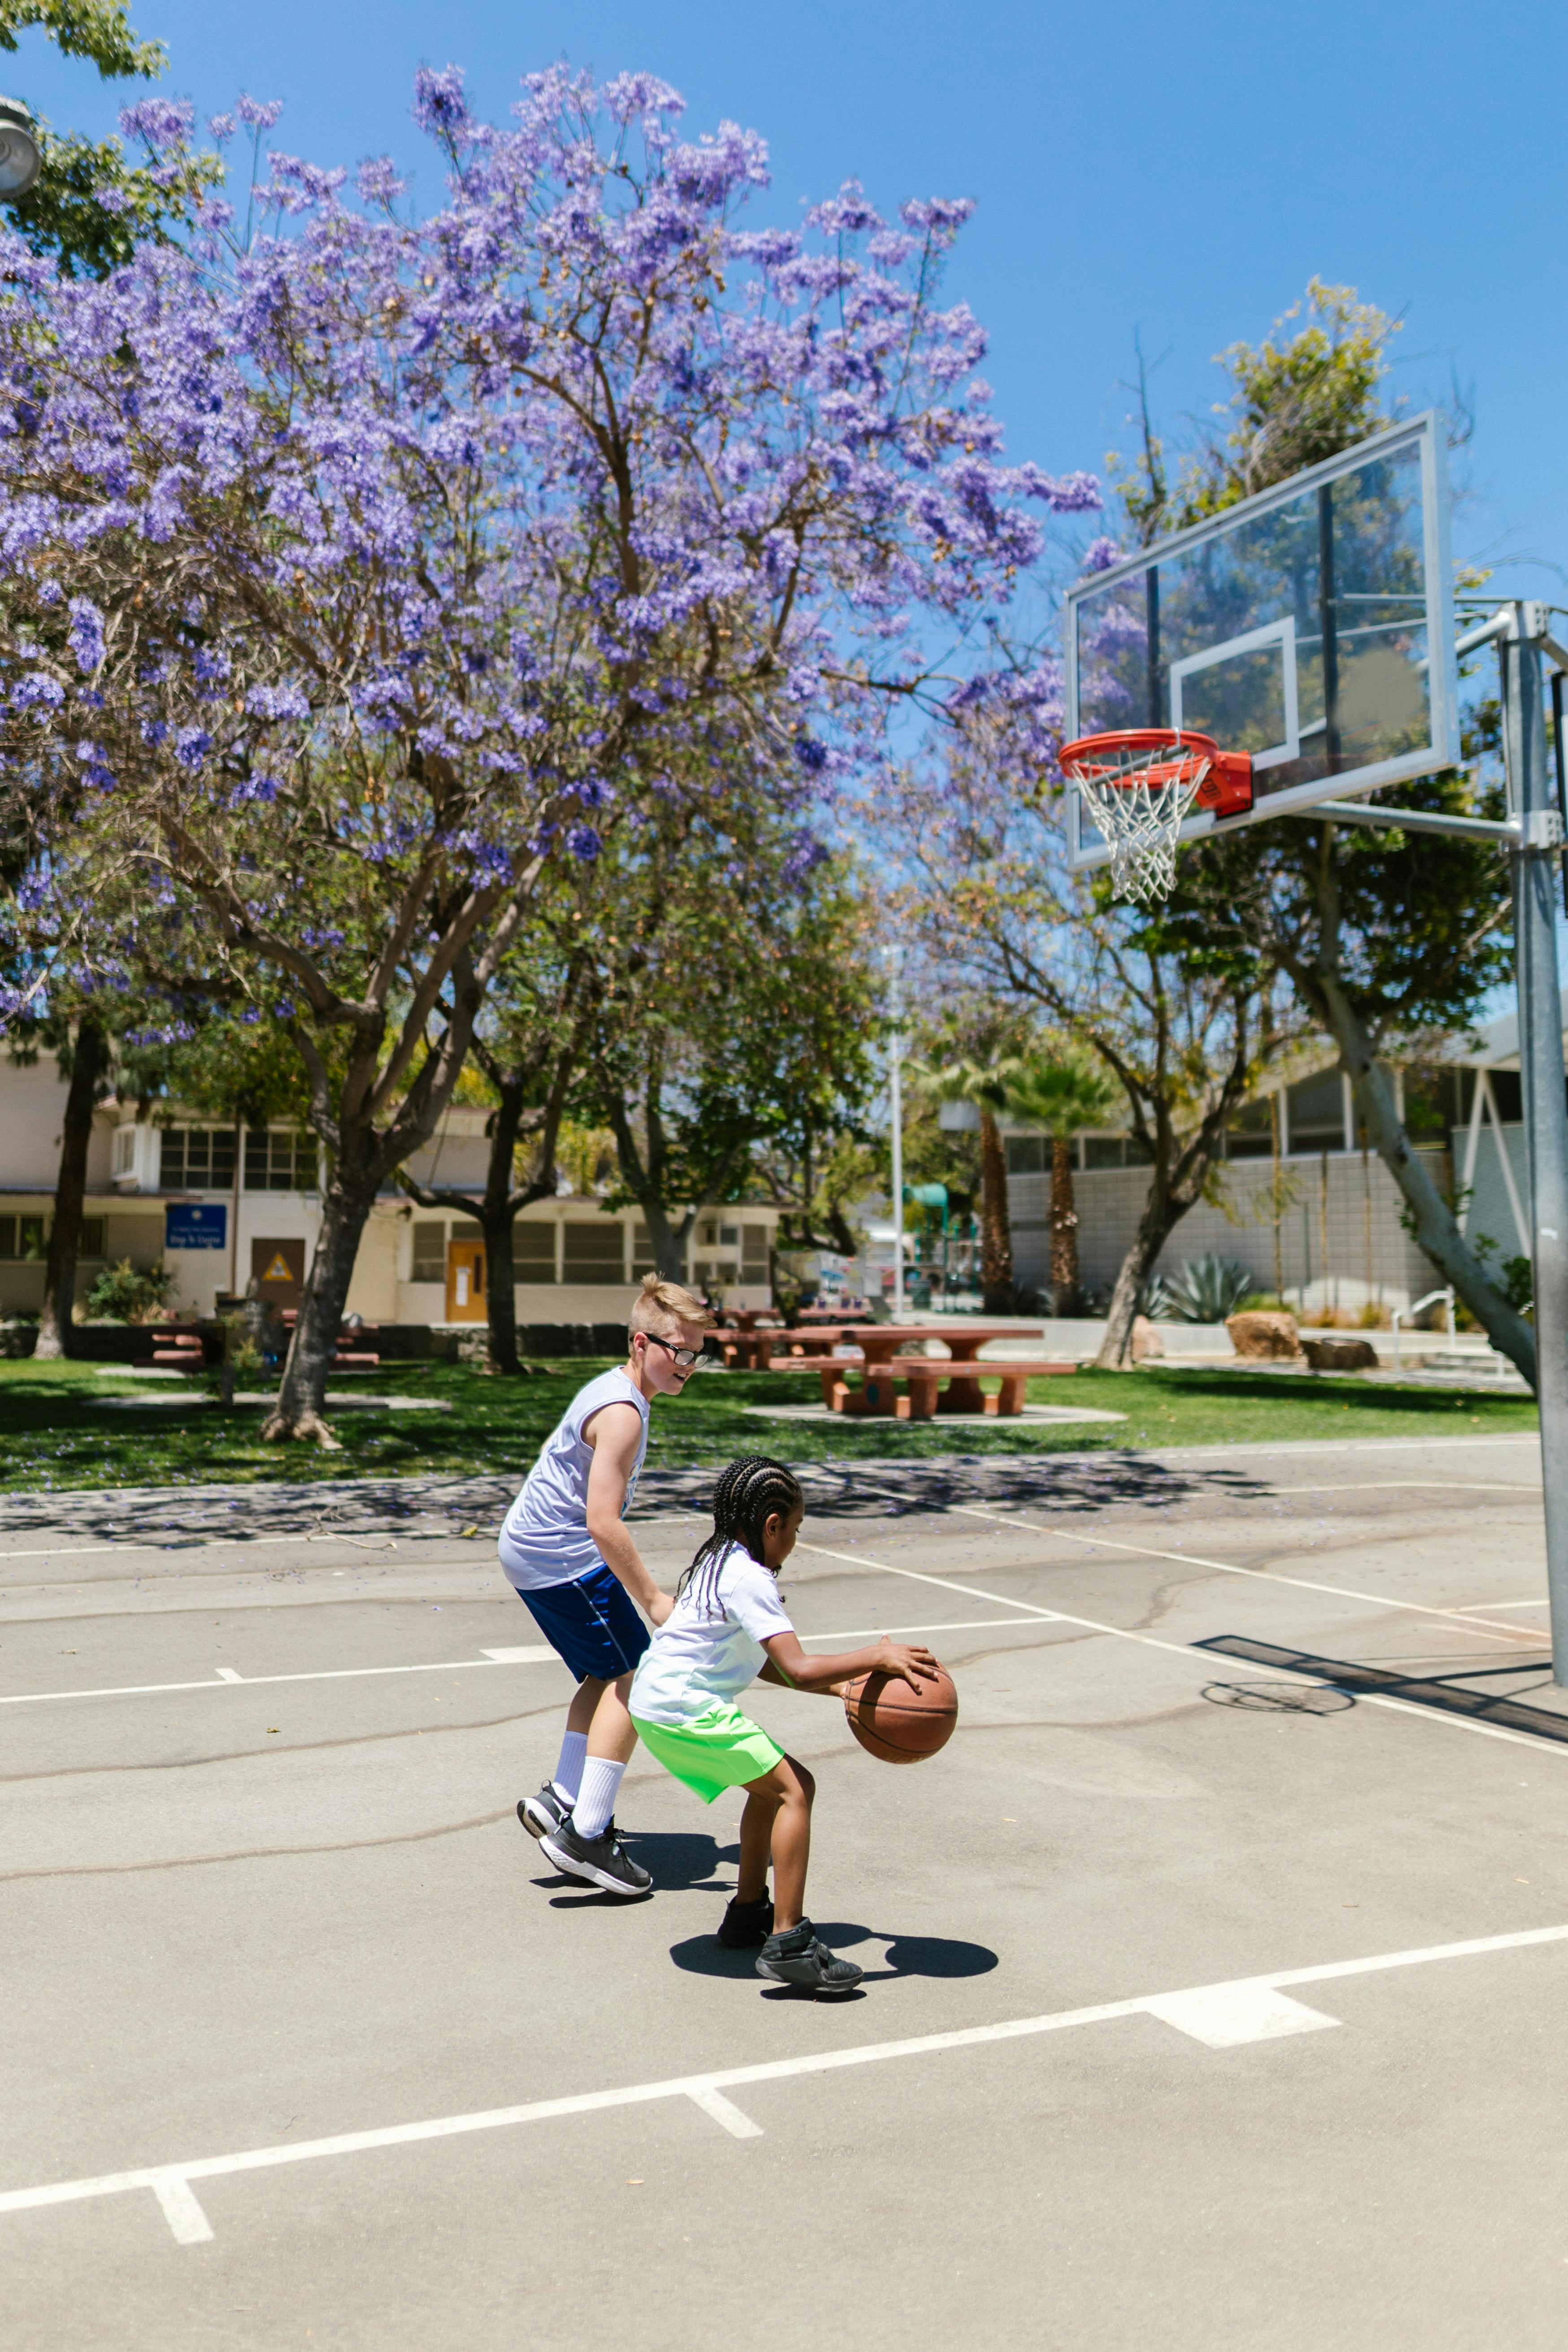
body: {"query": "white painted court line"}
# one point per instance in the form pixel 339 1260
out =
pixel 538 1654
pixel 221 1543
pixel 1218 2016
pixel 1186 1650
pixel 1197 1559
pixel 1379 1486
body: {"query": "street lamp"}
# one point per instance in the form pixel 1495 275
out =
pixel 20 159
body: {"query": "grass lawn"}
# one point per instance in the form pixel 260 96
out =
pixel 57 1429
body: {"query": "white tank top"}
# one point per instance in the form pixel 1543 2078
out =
pixel 544 1536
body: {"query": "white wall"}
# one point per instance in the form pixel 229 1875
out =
pixel 1110 1200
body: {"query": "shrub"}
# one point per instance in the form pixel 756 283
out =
pixel 1208 1288
pixel 1260 1302
pixel 122 1294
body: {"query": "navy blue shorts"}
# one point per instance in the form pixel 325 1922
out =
pixel 593 1624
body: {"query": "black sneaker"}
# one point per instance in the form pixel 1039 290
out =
pixel 601 1861
pixel 544 1812
pixel 799 1957
pixel 746 1924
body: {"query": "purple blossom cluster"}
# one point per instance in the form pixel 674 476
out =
pixel 367 552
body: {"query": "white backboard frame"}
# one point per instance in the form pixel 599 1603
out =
pixel 1425 435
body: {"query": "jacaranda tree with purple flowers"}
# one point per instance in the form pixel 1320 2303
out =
pixel 355 567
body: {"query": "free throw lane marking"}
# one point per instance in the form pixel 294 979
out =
pixel 1218 2016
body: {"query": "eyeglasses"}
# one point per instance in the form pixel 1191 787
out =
pixel 684 1357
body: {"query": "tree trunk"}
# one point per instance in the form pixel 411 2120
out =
pixel 1064 1230
pixel 1163 1212
pixel 1436 1229
pixel 88 1063
pixel 301 1394
pixel 995 1231
pixel 667 1237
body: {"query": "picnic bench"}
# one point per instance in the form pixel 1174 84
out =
pixel 180 1350
pixel 777 1349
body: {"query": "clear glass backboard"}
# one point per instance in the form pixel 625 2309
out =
pixel 1311 626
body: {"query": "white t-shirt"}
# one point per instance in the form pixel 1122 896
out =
pixel 710 1645
pixel 544 1538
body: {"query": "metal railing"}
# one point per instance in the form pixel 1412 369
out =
pixel 1447 1293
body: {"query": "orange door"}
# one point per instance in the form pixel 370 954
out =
pixel 464 1282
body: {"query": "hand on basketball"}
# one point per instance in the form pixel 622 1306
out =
pixel 911 1661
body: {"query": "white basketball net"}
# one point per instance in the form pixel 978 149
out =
pixel 1139 804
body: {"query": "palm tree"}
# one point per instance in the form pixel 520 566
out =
pixel 985 1083
pixel 1060 1088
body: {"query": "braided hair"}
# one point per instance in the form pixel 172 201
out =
pixel 745 1498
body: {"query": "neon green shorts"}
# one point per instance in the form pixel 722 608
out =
pixel 719 1748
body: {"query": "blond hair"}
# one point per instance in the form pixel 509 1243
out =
pixel 661 1305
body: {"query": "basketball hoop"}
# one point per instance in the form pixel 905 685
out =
pixel 1139 785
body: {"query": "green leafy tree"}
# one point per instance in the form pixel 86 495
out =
pixel 974 1057
pixel 1064 1090
pixel 734 1018
pixel 89 207
pixel 527 1047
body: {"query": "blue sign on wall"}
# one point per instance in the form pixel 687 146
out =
pixel 195 1225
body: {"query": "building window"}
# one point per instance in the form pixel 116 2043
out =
pixel 754 1253
pixel 278 1161
pixel 533 1250
pixel 1250 1135
pixel 92 1245
pixel 642 1252
pixel 196 1159
pixel 25 1238
pixel 429 1254
pixel 1113 1151
pixel 124 1160
pixel 1025 1155
pixel 594 1253
pixel 1315 1113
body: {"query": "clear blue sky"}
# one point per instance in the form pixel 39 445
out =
pixel 1171 170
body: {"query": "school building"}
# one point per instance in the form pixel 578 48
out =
pixel 221 1207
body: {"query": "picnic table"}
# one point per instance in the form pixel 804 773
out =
pixel 950 1384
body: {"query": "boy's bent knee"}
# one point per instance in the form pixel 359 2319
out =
pixel 804 1780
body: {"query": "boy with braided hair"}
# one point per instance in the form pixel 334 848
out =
pixel 566 1551
pixel 728 1628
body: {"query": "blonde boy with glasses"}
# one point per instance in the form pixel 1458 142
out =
pixel 566 1551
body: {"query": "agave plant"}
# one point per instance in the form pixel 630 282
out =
pixel 1207 1289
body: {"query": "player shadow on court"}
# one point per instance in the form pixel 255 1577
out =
pixel 682 1862
pixel 907 1956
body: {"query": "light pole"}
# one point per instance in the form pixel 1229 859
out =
pixel 20 159
pixel 896 1107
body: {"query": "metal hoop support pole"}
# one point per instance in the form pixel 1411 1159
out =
pixel 1534 792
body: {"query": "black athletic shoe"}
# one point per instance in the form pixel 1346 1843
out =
pixel 799 1957
pixel 746 1924
pixel 601 1861
pixel 544 1812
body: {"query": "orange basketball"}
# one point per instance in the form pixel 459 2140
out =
pixel 899 1723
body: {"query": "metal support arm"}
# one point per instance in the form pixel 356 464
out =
pixel 1505 833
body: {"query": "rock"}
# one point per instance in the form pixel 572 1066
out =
pixel 1146 1339
pixel 1265 1334
pixel 1338 1352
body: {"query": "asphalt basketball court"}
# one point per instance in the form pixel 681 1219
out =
pixel 1206 2001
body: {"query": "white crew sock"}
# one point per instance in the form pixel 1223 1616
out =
pixel 568 1771
pixel 596 1797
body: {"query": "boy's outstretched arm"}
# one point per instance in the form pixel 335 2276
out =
pixel 788 1664
pixel 615 1433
